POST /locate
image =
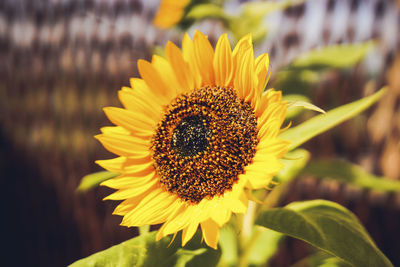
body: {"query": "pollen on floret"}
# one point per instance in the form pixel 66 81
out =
pixel 203 143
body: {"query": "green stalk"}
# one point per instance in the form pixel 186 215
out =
pixel 246 238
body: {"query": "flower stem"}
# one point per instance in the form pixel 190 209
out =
pixel 245 238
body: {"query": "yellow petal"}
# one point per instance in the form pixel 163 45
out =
pixel 124 164
pixel 127 205
pixel 275 146
pixel 243 60
pixel 257 181
pixel 153 209
pixel 274 111
pixel 210 231
pixel 190 58
pixel 170 226
pixel 134 191
pixel 170 13
pixel 204 55
pixel 245 79
pixel 184 216
pixel 179 221
pixel 109 130
pixel 167 75
pixel 269 130
pixel 154 81
pixel 126 181
pixel 139 86
pixel 124 145
pixel 223 62
pixel 180 66
pixel 258 175
pixel 221 214
pixel 239 204
pixel 135 101
pixel 188 232
pixel 134 122
pixel 112 165
pixel 262 72
pixel 243 45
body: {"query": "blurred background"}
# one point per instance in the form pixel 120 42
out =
pixel 61 61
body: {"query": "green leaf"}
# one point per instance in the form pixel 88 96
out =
pixel 336 56
pixel 321 259
pixel 203 11
pixel 251 19
pixel 306 105
pixel 94 179
pixel 262 9
pixel 293 163
pixel 228 243
pixel 145 251
pixel 296 81
pixel 323 122
pixel 327 226
pixel 350 173
pixel 294 111
pixel 265 246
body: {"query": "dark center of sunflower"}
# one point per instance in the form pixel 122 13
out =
pixel 190 136
pixel 203 143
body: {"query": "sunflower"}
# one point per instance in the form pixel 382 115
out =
pixel 170 12
pixel 197 132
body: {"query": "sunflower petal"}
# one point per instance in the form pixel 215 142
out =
pixel 180 66
pixel 204 55
pixel 139 86
pixel 126 165
pixel 170 13
pixel 189 56
pixel 221 214
pixel 262 72
pixel 131 192
pixel 167 75
pixel 135 101
pixel 210 231
pixel 132 121
pixel 150 75
pixel 239 204
pixel 245 78
pixel 153 209
pixel 223 62
pixel 124 145
pixel 188 232
pixel 126 181
pixel 109 130
pixel 127 205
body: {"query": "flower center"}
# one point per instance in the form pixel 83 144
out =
pixel 190 136
pixel 203 143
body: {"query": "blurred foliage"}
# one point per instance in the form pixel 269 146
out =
pixel 294 162
pixel 249 20
pixel 145 251
pixel 265 245
pixel 349 173
pixel 94 179
pixel 334 56
pixel 293 111
pixel 299 76
pixel 229 246
pixel 300 134
pixel 327 226
pixel 321 259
